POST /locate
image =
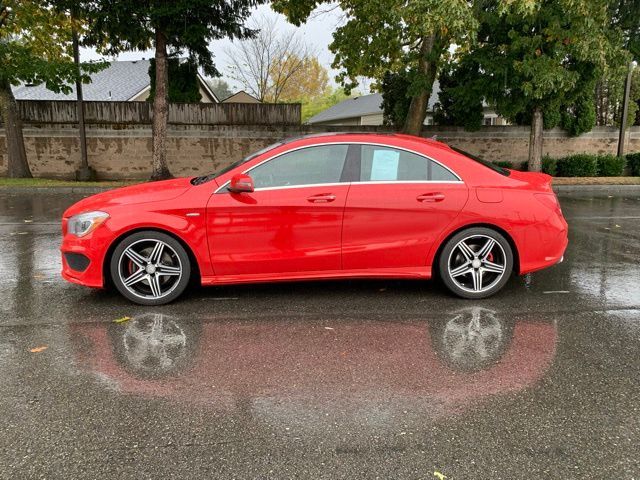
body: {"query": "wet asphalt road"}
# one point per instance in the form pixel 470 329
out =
pixel 356 379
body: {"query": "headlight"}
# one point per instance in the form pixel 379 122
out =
pixel 81 225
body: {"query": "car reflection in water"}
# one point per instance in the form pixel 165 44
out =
pixel 282 370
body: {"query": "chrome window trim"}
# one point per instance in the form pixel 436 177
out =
pixel 370 182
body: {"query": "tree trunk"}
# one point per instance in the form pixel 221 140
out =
pixel 535 141
pixel 419 103
pixel 18 167
pixel 160 111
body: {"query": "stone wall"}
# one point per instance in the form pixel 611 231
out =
pixel 123 150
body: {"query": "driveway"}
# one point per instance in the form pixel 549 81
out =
pixel 353 379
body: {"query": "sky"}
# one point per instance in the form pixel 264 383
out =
pixel 317 32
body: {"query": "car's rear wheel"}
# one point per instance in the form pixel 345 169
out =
pixel 150 268
pixel 476 263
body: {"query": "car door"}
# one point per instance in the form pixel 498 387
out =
pixel 290 224
pixel 397 209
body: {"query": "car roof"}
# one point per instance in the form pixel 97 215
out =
pixel 432 142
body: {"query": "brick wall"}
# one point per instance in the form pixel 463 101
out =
pixel 123 150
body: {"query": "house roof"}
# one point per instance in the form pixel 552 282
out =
pixel 364 105
pixel 120 81
pixel 240 94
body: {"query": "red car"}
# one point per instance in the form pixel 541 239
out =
pixel 321 206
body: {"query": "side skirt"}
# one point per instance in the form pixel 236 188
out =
pixel 408 272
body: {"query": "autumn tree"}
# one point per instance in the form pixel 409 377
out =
pixel 309 81
pixel 410 38
pixel 28 54
pixel 171 28
pixel 272 62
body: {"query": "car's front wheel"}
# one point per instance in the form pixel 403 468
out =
pixel 476 263
pixel 150 268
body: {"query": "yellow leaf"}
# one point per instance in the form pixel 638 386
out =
pixel 439 476
pixel 121 320
pixel 38 349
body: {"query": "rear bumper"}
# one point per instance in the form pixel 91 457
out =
pixel 546 245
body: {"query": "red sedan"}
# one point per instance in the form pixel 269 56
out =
pixel 321 206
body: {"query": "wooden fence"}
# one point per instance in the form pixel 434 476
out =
pixel 61 112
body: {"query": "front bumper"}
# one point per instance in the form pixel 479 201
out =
pixel 83 258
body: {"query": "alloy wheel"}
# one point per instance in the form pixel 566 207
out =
pixel 477 263
pixel 150 269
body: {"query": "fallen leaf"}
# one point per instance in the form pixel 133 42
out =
pixel 121 320
pixel 440 476
pixel 38 349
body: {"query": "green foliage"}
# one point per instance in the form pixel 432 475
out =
pixel 633 160
pixel 27 52
pixel 318 104
pixel 549 165
pixel 610 165
pixel 460 102
pixel 545 56
pixel 187 25
pixel 395 101
pixel 578 165
pixel 183 81
pixel 410 39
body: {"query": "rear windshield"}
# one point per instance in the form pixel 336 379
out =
pixel 492 166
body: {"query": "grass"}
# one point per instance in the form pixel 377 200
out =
pixel 47 182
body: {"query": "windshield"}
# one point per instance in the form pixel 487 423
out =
pixel 492 166
pixel 211 176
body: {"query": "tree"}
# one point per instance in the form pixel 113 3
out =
pixel 183 86
pixel 460 101
pixel 538 63
pixel 408 38
pixel 27 54
pixel 320 103
pixel 220 88
pixel 270 62
pixel 171 28
pixel 310 81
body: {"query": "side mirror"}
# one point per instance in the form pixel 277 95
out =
pixel 241 182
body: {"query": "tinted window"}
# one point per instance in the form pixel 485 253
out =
pixel 389 164
pixel 495 168
pixel 307 166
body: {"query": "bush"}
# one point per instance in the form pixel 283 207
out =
pixel 549 165
pixel 504 164
pixel 610 166
pixel 579 165
pixel 633 160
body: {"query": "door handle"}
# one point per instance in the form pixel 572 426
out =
pixel 322 198
pixel 431 197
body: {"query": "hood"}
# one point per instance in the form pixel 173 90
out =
pixel 140 193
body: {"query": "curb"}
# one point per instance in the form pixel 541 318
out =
pixel 619 189
pixel 54 190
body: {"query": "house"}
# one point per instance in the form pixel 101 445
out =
pixel 367 110
pixel 121 81
pixel 241 97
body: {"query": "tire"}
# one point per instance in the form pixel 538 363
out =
pixel 476 263
pixel 150 268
